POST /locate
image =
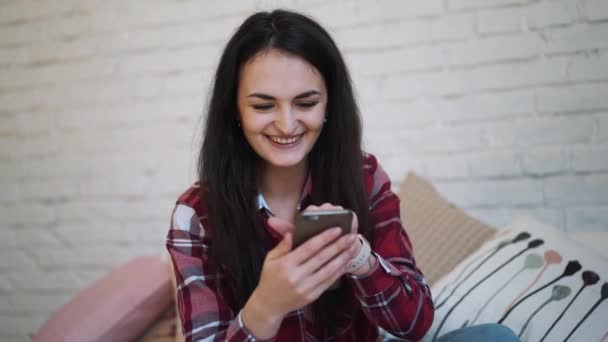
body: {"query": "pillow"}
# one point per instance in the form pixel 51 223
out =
pixel 433 223
pixel 531 278
pixel 117 307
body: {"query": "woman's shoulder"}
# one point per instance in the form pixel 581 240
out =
pixel 376 179
pixel 192 198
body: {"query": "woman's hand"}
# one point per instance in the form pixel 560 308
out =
pixel 292 279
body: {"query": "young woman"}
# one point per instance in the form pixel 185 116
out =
pixel 283 135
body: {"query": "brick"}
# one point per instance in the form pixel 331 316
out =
pixel 485 106
pixel 577 38
pixel 7 237
pixel 12 102
pixel 354 13
pixel 82 257
pixel 548 13
pixel 541 131
pixel 17 11
pixel 38 280
pixel 116 210
pixel 34 235
pixel 137 14
pixel 168 36
pixel 14 259
pixel 10 148
pixel 511 192
pixel 397 166
pixel 58 51
pixel 80 234
pixel 500 217
pixel 34 122
pixel 503 20
pixel 488 77
pixel 30 213
pixel 175 59
pixel 18 326
pixel 387 62
pixel 551 216
pixel 519 74
pixel 453 27
pixel 11 190
pixel 436 83
pixel 474 4
pixel 534 15
pixel 445 168
pixel 588 67
pixel 587 218
pixel 592 159
pixel 494 49
pixel 579 97
pixel 5 285
pixel 125 138
pixel 382 35
pixel 447 139
pixel 385 116
pixel 51 189
pixel 118 114
pixel 5 305
pixel 494 165
pixel 602 128
pixel 38 302
pixel 11 56
pixel 590 189
pixel 8 124
pixel 594 9
pixel 544 162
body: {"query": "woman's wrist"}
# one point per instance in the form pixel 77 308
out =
pixel 367 266
pixel 365 261
pixel 259 320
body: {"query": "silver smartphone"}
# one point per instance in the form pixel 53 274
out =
pixel 312 222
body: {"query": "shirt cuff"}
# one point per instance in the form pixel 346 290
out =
pixel 379 279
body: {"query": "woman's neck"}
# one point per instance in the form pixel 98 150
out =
pixel 282 187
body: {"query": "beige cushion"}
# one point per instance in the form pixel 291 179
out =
pixel 442 234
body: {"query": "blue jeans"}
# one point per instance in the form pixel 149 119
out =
pixel 480 333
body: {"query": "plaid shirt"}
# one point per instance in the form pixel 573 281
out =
pixel 393 296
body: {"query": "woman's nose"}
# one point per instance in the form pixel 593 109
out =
pixel 286 120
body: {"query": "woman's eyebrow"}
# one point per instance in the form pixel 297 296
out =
pixel 299 96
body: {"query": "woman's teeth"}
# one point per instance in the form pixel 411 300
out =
pixel 284 141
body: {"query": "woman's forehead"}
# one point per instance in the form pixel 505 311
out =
pixel 279 74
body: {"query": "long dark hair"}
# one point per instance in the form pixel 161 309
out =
pixel 228 166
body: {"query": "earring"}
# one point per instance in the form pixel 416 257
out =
pixel 325 120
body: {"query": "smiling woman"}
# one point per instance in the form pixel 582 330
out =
pixel 282 136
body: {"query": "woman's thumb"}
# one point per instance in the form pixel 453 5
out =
pixel 283 247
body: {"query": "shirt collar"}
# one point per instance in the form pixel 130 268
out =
pixel 306 192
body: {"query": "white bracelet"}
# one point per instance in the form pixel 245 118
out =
pixel 361 258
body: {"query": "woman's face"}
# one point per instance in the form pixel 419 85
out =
pixel 281 100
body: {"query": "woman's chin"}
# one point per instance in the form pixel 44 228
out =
pixel 284 163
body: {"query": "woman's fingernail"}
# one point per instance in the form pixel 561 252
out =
pixel 335 230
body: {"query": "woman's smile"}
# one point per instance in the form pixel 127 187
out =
pixel 285 141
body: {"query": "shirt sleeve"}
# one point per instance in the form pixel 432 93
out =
pixel 201 286
pixel 394 294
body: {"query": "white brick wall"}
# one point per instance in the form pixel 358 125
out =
pixel 501 103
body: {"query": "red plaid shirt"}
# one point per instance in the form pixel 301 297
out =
pixel 393 296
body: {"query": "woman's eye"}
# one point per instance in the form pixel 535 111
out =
pixel 307 104
pixel 262 106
